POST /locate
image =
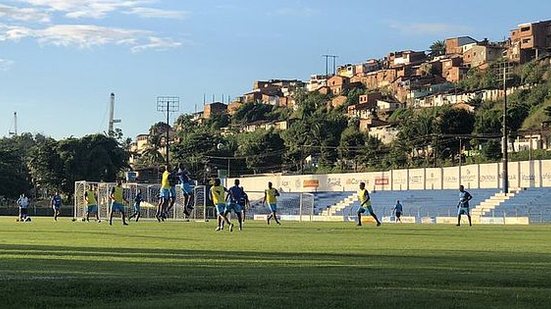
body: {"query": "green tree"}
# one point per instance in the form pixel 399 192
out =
pixel 262 150
pixel 350 146
pixel 437 48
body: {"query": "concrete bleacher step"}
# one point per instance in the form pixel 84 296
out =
pixel 492 203
pixel 333 209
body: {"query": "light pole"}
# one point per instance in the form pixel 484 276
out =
pixel 505 154
pixel 168 105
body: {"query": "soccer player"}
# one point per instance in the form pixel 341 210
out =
pixel 137 201
pixel 365 204
pixel 92 203
pixel 270 198
pixel 217 194
pixel 398 208
pixel 56 204
pixel 187 190
pixel 164 195
pixel 463 205
pixel 236 196
pixel 246 204
pixel 117 200
pixel 23 203
pixel 172 181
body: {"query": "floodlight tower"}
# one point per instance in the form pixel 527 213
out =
pixel 168 105
pixel 112 121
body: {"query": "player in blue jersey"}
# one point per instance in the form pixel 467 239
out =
pixel 56 204
pixel 138 199
pixel 236 196
pixel 463 205
pixel 397 210
pixel 187 190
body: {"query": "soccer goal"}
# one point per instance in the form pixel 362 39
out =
pixel 150 194
pixel 297 206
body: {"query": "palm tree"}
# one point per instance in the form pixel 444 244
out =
pixel 438 48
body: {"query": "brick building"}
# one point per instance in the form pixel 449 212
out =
pixel 529 41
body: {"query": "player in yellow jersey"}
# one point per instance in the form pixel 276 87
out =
pixel 365 205
pixel 92 203
pixel 117 200
pixel 218 196
pixel 164 195
pixel 270 198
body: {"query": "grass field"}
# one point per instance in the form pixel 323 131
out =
pixel 296 265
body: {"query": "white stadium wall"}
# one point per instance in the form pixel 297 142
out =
pixel 521 174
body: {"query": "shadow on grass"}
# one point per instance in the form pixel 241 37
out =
pixel 65 276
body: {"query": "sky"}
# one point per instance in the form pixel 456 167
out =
pixel 61 59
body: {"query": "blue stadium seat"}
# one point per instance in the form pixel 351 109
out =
pixel 534 203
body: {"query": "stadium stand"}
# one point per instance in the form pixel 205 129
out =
pixel 534 203
pixel 417 203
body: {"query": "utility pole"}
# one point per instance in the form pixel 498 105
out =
pixel 168 105
pixel 327 64
pixel 505 154
pixel 460 157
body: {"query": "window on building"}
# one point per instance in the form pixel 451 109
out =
pixel 523 29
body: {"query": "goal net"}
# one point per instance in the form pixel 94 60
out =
pixel 293 205
pixel 150 195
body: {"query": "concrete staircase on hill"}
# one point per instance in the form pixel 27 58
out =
pixel 333 209
pixel 490 204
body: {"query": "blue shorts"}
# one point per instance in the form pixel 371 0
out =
pixel 235 207
pixel 186 188
pixel 92 208
pixel 165 194
pixel 220 208
pixel 463 211
pixel 273 207
pixel 56 207
pixel 117 207
pixel 173 192
pixel 137 207
pixel 365 208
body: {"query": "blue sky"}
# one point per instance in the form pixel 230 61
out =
pixel 60 59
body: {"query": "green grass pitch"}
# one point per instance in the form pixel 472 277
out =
pixel 297 265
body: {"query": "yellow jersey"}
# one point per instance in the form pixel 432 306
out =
pixel 362 196
pixel 165 184
pixel 91 198
pixel 118 195
pixel 217 193
pixel 271 197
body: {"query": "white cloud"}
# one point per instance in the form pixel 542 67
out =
pixel 23 14
pixel 429 28
pixel 159 44
pixel 88 36
pixel 86 8
pixel 5 64
pixel 157 13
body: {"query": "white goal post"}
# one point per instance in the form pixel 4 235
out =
pixel 148 207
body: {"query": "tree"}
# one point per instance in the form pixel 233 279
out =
pixel 262 150
pixel 350 145
pixel 437 48
pixel 45 165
